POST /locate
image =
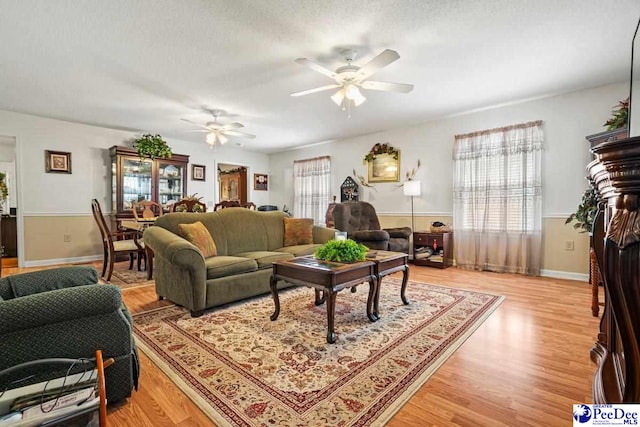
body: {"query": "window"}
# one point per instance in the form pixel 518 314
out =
pixel 311 186
pixel 498 198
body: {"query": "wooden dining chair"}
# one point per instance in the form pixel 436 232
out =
pixel 146 210
pixel 115 243
pixel 188 205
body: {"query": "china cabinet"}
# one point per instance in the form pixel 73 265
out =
pixel 160 180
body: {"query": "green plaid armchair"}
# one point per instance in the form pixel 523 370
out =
pixel 64 313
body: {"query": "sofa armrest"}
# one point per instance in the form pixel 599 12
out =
pixel 48 280
pixel 173 248
pixel 370 235
pixel 399 232
pixel 57 306
pixel 323 234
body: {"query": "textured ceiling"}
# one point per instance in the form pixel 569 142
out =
pixel 143 65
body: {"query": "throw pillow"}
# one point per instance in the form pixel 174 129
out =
pixel 298 231
pixel 198 235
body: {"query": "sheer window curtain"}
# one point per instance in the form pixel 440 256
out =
pixel 497 199
pixel 312 186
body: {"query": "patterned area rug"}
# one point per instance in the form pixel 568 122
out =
pixel 123 277
pixel 242 369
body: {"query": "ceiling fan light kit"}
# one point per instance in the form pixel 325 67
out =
pixel 217 133
pixel 350 79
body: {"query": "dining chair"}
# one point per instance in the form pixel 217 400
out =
pixel 146 210
pixel 188 205
pixel 227 204
pixel 115 243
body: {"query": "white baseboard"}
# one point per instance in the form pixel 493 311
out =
pixel 565 275
pixel 75 260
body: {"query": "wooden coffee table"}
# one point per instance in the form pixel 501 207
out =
pixel 326 277
pixel 386 263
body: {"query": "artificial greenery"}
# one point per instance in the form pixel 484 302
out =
pixel 4 191
pixel 152 146
pixel 620 116
pixel 586 212
pixel 342 251
pixel 381 149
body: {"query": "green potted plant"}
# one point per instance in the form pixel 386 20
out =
pixel 4 191
pixel 586 212
pixel 152 146
pixel 620 116
pixel 342 251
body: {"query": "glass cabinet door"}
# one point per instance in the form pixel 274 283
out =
pixel 170 185
pixel 136 181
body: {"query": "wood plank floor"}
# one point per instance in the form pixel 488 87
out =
pixel 526 365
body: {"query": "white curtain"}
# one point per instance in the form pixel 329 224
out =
pixel 497 199
pixel 311 186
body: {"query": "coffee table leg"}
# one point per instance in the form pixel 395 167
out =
pixel 319 299
pixel 331 313
pixel 405 279
pixel 372 300
pixel 276 299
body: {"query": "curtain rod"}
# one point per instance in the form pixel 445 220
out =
pixel 315 158
pixel 502 129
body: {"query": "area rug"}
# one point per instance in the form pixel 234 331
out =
pixel 243 369
pixel 123 277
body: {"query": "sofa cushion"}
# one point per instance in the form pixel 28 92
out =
pixel 198 235
pixel 221 266
pixel 266 258
pixel 298 231
pixel 299 250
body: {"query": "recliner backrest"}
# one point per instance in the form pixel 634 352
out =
pixel 355 216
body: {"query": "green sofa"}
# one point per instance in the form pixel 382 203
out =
pixel 248 242
pixel 64 313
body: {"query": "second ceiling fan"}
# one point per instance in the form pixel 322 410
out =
pixel 217 132
pixel 350 78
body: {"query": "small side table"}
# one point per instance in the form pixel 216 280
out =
pixel 433 249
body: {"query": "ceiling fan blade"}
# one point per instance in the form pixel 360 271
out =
pixel 197 124
pixel 230 126
pixel 317 67
pixel 318 89
pixel 240 134
pixel 387 86
pixel 382 60
pixel 200 130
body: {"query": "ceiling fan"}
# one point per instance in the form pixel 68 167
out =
pixel 350 78
pixel 217 132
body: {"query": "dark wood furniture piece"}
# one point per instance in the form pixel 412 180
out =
pixel 9 234
pixel 134 180
pixel 326 277
pixel 616 243
pixel 233 185
pixel 387 263
pixel 188 205
pixel 112 247
pixel 433 249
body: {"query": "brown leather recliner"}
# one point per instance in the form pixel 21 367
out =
pixel 360 221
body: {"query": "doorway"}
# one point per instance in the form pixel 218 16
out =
pixel 8 208
pixel 232 183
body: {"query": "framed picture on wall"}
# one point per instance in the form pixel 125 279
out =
pixel 260 182
pixel 57 161
pixel 384 168
pixel 198 172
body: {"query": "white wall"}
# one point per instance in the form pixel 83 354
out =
pixel 50 193
pixel 42 194
pixel 567 120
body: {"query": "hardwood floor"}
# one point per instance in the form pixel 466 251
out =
pixel 526 365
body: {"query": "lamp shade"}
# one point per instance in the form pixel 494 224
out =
pixel 411 188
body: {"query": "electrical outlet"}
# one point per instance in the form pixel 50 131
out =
pixel 67 238
pixel 568 245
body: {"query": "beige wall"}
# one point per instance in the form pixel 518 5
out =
pixel 556 260
pixel 45 235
